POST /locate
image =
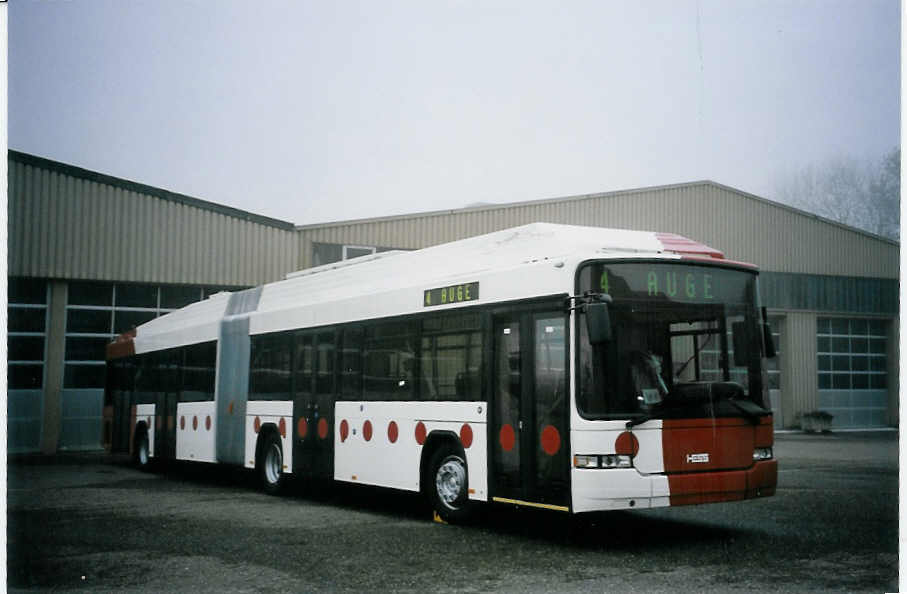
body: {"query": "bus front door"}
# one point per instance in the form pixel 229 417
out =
pixel 529 409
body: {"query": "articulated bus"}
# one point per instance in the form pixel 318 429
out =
pixel 569 368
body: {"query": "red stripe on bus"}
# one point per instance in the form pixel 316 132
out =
pixel 679 244
pixel 344 430
pixel 732 485
pixel 392 432
pixel 507 437
pixel 122 346
pixel 420 433
pixel 765 433
pixel 466 435
pixel 551 440
pixel 323 428
pixel 626 444
pixel 699 445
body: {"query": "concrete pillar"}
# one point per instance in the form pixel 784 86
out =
pixel 799 378
pixel 53 370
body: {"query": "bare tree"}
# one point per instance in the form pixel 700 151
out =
pixel 865 195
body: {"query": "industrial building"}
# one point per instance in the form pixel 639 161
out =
pixel 91 255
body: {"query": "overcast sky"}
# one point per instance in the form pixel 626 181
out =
pixel 331 110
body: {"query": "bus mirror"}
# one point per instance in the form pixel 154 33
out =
pixel 598 322
pixel 769 342
pixel 738 331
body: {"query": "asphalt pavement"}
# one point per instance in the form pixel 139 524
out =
pixel 92 522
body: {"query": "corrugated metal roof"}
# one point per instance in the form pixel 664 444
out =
pixel 117 182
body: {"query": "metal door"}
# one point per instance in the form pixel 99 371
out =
pixel 530 459
pixel 313 403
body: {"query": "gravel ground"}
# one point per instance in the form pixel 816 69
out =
pixel 92 522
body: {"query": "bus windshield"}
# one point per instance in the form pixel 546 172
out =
pixel 686 341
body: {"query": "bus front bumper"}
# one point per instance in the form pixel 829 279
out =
pixel 600 490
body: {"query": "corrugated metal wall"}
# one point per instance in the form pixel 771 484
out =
pixel 63 226
pixel 744 227
pixel 799 378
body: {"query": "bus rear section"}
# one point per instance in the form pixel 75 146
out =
pixel 671 395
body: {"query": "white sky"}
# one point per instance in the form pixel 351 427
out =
pixel 331 110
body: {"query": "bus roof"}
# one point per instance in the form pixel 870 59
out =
pixel 523 262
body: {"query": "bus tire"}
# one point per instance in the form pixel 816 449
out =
pixel 448 484
pixel 141 450
pixel 269 463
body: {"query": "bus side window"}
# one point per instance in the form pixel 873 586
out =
pixel 389 361
pixel 198 372
pixel 351 363
pixel 269 376
pixel 451 358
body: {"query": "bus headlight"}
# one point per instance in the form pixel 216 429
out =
pixel 584 461
pixel 762 454
pixel 602 461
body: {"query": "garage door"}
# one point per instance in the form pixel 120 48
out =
pixel 853 379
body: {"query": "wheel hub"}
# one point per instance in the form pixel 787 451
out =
pixel 273 464
pixel 450 482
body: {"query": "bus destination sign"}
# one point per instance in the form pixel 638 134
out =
pixel 686 284
pixel 451 294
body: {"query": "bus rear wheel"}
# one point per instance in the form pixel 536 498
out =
pixel 448 484
pixel 270 464
pixel 142 450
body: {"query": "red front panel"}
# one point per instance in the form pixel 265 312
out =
pixel 711 460
pixel 698 445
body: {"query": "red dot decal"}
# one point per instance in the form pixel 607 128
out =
pixel 302 427
pixel 257 425
pixel 230 408
pixel 208 423
pixel 367 430
pixel 507 437
pixel 182 423
pixel 551 440
pixel 323 428
pixel 344 430
pixel 466 435
pixel 392 432
pixel 195 423
pixel 420 433
pixel 282 427
pixel 626 444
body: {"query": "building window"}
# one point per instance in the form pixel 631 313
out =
pixel 329 253
pixel 852 354
pixel 355 251
pixel 26 333
pixel 852 367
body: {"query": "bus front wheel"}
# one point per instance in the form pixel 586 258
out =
pixel 448 485
pixel 270 464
